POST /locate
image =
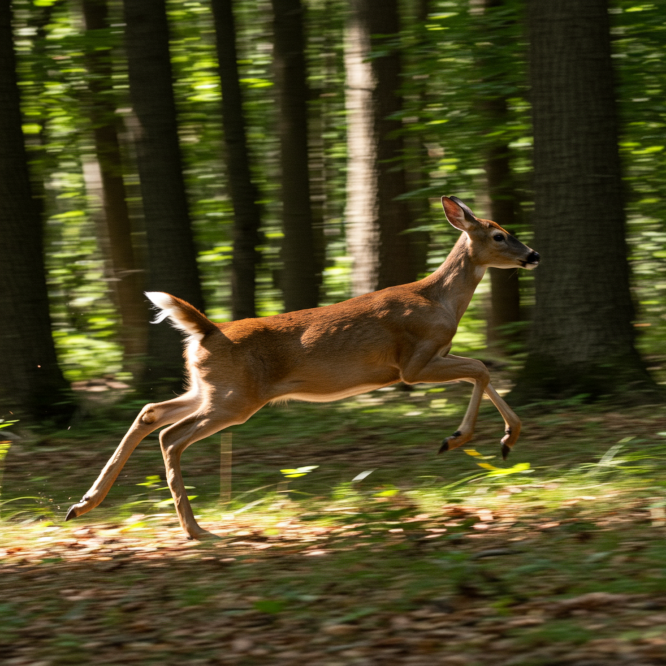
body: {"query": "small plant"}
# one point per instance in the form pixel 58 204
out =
pixel 156 494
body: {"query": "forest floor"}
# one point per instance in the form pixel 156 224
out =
pixel 555 556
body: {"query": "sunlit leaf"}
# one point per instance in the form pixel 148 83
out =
pixel 298 471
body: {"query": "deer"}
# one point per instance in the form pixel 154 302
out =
pixel 402 333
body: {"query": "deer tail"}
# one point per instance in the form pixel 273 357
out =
pixel 183 316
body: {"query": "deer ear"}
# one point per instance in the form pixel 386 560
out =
pixel 457 213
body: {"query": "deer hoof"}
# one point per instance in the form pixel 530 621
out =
pixel 505 451
pixel 71 512
pixel 445 444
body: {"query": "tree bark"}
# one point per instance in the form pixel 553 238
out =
pixel 244 194
pixel 126 277
pixel 504 204
pixel 376 176
pixel 582 339
pixel 171 253
pixel 32 383
pixel 417 167
pixel 504 283
pixel 299 279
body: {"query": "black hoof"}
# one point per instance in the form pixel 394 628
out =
pixel 445 443
pixel 71 513
pixel 505 451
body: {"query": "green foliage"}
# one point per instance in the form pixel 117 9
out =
pixel 456 61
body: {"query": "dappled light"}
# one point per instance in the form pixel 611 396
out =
pixel 367 545
pixel 285 181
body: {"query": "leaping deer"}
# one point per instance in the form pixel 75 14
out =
pixel 398 334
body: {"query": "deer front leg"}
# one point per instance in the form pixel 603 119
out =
pixel 512 423
pixel 446 369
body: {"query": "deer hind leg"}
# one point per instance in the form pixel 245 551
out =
pixel 150 418
pixel 175 439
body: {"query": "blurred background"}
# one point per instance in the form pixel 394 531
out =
pixel 255 157
pixel 259 156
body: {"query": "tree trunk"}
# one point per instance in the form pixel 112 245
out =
pixel 299 279
pixel 376 220
pixel 582 339
pixel 171 254
pixel 32 383
pixel 417 164
pixel 244 194
pixel 504 205
pixel 126 278
pixel 504 283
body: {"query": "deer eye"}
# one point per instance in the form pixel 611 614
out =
pixel 498 237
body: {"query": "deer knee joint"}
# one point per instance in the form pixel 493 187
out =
pixel 482 375
pixel 148 414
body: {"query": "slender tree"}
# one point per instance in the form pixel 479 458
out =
pixel 376 177
pixel 502 192
pixel 126 277
pixel 244 194
pixel 417 165
pixel 32 383
pixel 582 337
pixel 504 207
pixel 171 252
pixel 299 279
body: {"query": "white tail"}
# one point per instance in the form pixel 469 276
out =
pixel 183 316
pixel 402 333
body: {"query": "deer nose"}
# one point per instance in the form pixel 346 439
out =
pixel 533 257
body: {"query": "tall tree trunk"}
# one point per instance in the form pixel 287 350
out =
pixel 32 383
pixel 504 204
pixel 299 279
pixel 244 194
pixel 376 174
pixel 126 278
pixel 417 166
pixel 172 265
pixel 504 283
pixel 582 337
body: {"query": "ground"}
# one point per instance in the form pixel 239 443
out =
pixel 554 557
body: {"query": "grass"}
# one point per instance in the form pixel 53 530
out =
pixel 370 547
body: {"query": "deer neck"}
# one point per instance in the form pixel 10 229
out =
pixel 453 284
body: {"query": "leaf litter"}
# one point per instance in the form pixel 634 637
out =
pixel 558 567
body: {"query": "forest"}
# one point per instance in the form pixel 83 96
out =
pixel 256 157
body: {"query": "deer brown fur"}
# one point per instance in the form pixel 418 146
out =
pixel 401 333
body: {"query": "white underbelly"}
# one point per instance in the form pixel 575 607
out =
pixel 330 397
